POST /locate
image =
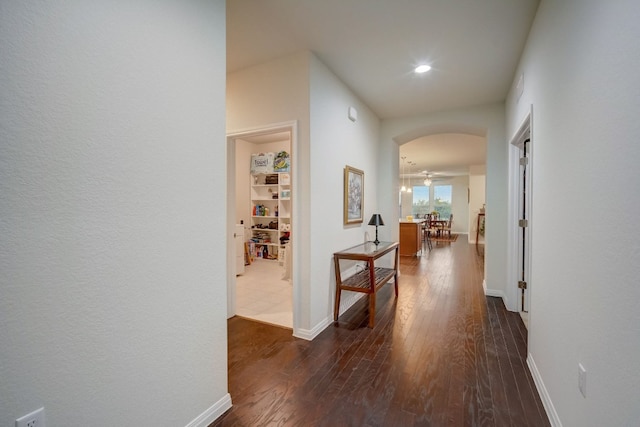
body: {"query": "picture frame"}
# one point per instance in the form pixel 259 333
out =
pixel 353 195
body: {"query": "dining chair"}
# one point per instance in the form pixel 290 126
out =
pixel 425 232
pixel 447 227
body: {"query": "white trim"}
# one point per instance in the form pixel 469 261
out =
pixel 514 147
pixel 212 413
pixel 496 293
pixel 484 286
pixel 493 292
pixel 291 126
pixel 310 334
pixel 554 419
pixel 345 304
pixel 230 221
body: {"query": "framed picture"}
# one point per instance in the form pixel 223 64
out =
pixel 353 195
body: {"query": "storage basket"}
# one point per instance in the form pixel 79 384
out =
pixel 271 179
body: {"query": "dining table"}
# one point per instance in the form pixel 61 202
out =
pixel 438 224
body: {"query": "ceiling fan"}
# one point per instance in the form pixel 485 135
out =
pixel 427 177
pixel 431 177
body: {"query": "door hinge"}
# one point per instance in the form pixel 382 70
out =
pixel 522 284
pixel 524 161
pixel 523 223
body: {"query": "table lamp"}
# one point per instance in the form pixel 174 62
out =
pixel 376 220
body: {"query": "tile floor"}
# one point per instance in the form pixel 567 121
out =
pixel 262 295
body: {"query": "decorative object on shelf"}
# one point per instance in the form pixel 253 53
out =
pixel 376 220
pixel 285 179
pixel 353 195
pixel 285 228
pixel 271 179
pixel 262 163
pixel 282 162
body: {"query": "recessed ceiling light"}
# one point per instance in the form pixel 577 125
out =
pixel 422 69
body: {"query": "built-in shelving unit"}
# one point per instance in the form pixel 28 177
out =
pixel 271 214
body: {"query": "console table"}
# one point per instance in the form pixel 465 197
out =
pixel 367 281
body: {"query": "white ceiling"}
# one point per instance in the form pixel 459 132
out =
pixel 443 155
pixel 373 46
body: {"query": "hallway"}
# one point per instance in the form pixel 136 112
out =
pixel 443 354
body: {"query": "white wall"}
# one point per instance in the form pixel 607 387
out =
pixel 580 74
pixel 272 93
pixel 299 87
pixel 477 198
pixel 336 142
pixel 486 120
pixel 459 203
pixel 243 150
pixel 113 275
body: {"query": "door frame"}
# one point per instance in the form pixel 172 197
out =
pixel 292 127
pixel 514 300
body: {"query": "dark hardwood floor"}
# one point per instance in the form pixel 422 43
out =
pixel 442 354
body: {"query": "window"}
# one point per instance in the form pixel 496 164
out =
pixel 442 200
pixel 420 201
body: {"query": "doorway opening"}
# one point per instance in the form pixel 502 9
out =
pixel 261 217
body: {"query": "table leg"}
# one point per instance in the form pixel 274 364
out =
pixel 336 308
pixel 372 295
pixel 395 267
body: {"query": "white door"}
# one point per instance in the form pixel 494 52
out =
pixel 524 206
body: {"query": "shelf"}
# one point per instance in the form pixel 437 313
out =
pixel 361 281
pixel 265 200
pixel 266 244
pixel 264 216
pixel 265 229
pixel 264 185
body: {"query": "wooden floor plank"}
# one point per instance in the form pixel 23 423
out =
pixel 440 354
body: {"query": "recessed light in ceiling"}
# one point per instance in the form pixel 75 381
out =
pixel 422 69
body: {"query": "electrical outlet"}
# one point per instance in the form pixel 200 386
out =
pixel 582 379
pixel 34 419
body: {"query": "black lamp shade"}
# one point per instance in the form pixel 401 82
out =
pixel 376 219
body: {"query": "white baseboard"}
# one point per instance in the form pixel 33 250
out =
pixel 495 293
pixel 347 300
pixel 492 292
pixel 212 413
pixel 310 334
pixel 554 419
